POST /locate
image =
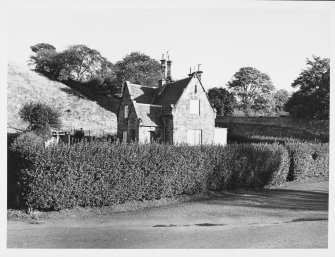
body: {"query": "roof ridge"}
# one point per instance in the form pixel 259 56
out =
pixel 179 80
pixel 139 85
pixel 155 105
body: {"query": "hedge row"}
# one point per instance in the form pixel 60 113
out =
pixel 248 165
pixel 259 133
pixel 104 173
pixel 308 160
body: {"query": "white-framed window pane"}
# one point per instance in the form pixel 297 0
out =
pixel 126 110
pixel 197 136
pixel 124 136
pixel 194 107
pixel 194 136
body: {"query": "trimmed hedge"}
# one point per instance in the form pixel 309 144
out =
pixel 248 165
pixel 104 173
pixel 308 160
pixel 261 133
pixel 101 173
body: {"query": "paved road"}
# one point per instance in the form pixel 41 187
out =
pixel 287 217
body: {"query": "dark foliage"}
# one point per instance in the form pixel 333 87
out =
pixel 308 160
pixel 311 101
pixel 222 100
pixel 40 117
pixel 42 46
pixel 104 173
pixel 137 68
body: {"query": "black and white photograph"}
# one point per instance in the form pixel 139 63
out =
pixel 167 125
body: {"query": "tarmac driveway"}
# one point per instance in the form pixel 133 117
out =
pixel 293 216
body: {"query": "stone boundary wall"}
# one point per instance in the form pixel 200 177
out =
pixel 316 127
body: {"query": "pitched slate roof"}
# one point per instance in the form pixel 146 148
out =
pixel 150 105
pixel 149 114
pixel 172 92
pixel 142 94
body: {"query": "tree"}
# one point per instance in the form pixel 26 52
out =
pixel 252 89
pixel 78 62
pixel 222 100
pixel 280 97
pixel 137 68
pixel 311 101
pixel 42 46
pixel 40 117
pixel 84 64
pixel 47 60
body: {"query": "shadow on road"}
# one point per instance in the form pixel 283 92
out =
pixel 273 198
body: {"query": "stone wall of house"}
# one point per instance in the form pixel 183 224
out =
pixel 130 123
pixel 168 129
pixel 183 120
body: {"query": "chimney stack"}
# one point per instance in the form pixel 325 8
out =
pixel 199 72
pixel 162 81
pixel 168 73
pixel 190 74
pixel 163 67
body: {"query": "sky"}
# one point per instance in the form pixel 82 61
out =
pixel 274 40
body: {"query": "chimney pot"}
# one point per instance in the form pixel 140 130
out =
pixel 168 72
pixel 163 67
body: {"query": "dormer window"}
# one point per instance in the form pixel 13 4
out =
pixel 126 111
pixel 195 88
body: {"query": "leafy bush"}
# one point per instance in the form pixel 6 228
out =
pixel 40 116
pixel 27 145
pixel 22 154
pixel 248 165
pixel 308 160
pixel 104 173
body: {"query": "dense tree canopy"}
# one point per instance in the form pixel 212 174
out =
pixel 42 46
pixel 83 64
pixel 40 116
pixel 138 68
pixel 280 97
pixel 311 101
pixel 222 100
pixel 47 61
pixel 78 62
pixel 252 90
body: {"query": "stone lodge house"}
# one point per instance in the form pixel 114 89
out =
pixel 173 112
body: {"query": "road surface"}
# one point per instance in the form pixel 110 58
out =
pixel 293 216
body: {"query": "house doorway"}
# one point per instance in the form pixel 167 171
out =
pixel 152 136
pixel 132 135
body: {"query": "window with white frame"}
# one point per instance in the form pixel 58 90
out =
pixel 126 111
pixel 124 136
pixel 194 136
pixel 195 107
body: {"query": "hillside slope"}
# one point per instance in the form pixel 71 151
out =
pixel 77 111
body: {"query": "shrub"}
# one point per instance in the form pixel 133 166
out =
pixel 101 173
pixel 40 116
pixel 23 153
pixel 248 165
pixel 308 160
pixel 104 173
pixel 27 145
